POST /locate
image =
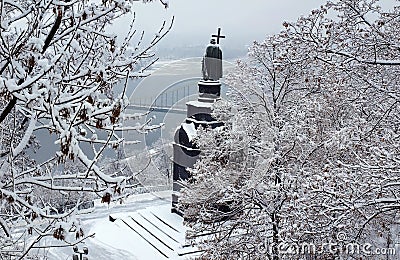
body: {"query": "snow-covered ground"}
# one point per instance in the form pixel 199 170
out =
pixel 144 228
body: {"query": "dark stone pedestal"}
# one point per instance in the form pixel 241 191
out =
pixel 185 152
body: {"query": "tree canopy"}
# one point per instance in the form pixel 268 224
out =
pixel 309 151
pixel 59 63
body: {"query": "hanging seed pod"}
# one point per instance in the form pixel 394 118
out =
pixel 10 199
pixel 99 124
pixel 106 198
pixel 59 233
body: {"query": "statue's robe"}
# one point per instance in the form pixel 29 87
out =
pixel 212 63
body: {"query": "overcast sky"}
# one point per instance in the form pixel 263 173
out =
pixel 242 21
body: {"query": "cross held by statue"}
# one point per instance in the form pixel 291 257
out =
pixel 218 36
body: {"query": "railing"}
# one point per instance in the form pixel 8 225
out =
pixel 150 189
pixel 175 96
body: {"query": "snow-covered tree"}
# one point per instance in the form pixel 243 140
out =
pixel 310 145
pixel 59 62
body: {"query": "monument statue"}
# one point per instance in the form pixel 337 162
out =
pixel 212 60
pixel 198 113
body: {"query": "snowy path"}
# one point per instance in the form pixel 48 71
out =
pixel 144 229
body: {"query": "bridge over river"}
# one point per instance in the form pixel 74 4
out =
pixel 163 96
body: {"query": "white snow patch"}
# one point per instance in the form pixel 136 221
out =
pixel 190 130
pixel 200 104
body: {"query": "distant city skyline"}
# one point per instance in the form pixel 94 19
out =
pixel 195 21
